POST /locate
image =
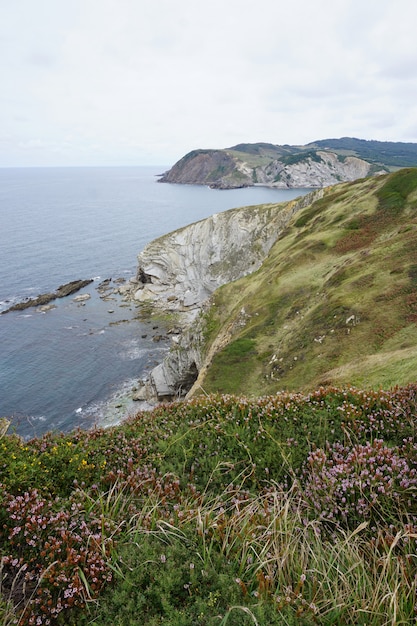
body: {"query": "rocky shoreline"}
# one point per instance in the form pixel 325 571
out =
pixel 136 393
pixel 139 394
pixel 176 276
pixel 178 273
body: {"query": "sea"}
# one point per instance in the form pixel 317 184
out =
pixel 75 365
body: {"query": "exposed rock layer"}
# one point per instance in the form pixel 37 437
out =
pixel 299 169
pixel 314 172
pixel 179 272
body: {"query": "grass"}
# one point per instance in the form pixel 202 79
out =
pixel 287 509
pixel 268 506
pixel 352 253
pixel 201 572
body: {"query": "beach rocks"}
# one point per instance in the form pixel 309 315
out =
pixel 140 395
pixel 45 308
pixel 82 298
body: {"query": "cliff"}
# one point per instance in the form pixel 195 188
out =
pixel 216 168
pixel 319 169
pixel 318 164
pixel 228 169
pixel 178 272
pixel 320 290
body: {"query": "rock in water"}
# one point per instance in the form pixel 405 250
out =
pixel 45 298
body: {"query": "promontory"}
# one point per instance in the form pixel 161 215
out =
pixel 318 164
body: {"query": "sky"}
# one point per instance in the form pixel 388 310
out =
pixel 143 82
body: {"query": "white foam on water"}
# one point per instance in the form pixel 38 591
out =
pixel 118 407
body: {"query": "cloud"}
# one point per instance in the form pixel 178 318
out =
pixel 141 83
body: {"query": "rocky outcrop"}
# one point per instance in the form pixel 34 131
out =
pixel 294 167
pixel 215 168
pixel 322 169
pixel 45 298
pixel 179 272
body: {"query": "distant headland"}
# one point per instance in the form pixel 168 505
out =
pixel 314 165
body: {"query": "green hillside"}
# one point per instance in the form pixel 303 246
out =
pixel 293 508
pixel 334 302
pixel 321 163
pixel 390 153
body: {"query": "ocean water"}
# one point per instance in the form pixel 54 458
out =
pixel 72 365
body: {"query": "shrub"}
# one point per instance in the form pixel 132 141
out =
pixel 54 557
pixel 285 502
pixel 352 484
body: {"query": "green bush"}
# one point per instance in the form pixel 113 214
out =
pixel 220 510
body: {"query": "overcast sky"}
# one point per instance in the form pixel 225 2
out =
pixel 142 82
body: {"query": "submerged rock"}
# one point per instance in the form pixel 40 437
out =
pixel 82 298
pixel 45 308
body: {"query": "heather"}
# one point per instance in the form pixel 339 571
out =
pixel 285 509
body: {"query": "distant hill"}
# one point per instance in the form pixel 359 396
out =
pixel 318 164
pixel 389 153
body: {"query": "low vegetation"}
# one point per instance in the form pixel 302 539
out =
pixel 288 509
pixel 389 153
pixel 285 493
pixel 335 302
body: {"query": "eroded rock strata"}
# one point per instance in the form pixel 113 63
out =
pixel 232 168
pixel 179 271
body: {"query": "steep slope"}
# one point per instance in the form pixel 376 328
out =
pixel 206 167
pixel 318 164
pixel 178 272
pixel 334 302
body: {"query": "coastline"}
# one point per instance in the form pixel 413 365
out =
pixel 75 223
pixel 120 406
pixel 135 394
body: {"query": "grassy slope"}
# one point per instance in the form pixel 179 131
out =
pixel 335 301
pixel 393 154
pixel 287 509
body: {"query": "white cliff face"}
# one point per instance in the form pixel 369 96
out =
pixel 324 171
pixel 298 169
pixel 179 272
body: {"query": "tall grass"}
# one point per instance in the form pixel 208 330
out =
pixel 261 560
pixel 288 509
